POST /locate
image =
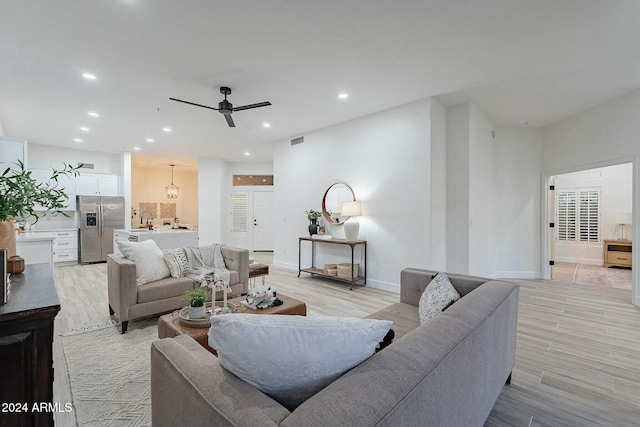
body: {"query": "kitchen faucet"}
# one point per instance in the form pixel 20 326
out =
pixel 148 219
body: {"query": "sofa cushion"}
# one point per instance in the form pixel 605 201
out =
pixel 404 316
pixel 148 258
pixel 437 296
pixel 176 261
pixel 291 358
pixel 164 288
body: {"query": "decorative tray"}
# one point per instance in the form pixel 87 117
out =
pixel 204 322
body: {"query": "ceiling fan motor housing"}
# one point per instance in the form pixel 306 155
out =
pixel 225 107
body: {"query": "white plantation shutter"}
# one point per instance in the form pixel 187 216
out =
pixel 589 213
pixel 578 214
pixel 566 206
pixel 239 212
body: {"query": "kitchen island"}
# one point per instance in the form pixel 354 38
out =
pixel 35 248
pixel 165 238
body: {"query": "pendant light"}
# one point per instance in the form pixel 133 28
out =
pixel 172 189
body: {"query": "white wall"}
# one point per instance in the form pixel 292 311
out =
pixel 518 163
pixel 605 135
pixel 45 156
pixel 493 197
pixel 458 122
pixel 384 157
pixel 212 197
pixel 483 197
pixel 438 202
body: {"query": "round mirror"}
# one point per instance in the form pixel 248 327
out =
pixel 332 202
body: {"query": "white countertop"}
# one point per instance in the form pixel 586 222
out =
pixel 33 237
pixel 50 230
pixel 159 230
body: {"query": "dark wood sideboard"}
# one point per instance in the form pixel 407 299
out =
pixel 26 353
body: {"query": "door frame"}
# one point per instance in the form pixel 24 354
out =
pixel 545 217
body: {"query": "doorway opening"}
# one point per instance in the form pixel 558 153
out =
pixel 589 218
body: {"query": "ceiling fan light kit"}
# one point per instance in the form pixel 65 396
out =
pixel 225 107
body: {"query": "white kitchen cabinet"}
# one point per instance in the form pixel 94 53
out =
pixel 12 150
pixel 66 182
pixel 35 249
pixel 64 244
pixel 97 184
pixel 65 247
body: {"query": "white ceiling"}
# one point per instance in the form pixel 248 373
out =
pixel 522 62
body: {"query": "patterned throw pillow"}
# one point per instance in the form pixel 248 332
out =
pixel 177 262
pixel 438 296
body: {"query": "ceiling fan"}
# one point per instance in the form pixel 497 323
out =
pixel 225 107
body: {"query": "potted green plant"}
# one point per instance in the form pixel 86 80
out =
pixel 197 299
pixel 21 194
pixel 313 216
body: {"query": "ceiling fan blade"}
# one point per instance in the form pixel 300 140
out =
pixel 229 120
pixel 193 103
pixel 246 107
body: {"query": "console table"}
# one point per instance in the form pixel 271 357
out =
pixel 26 339
pixel 617 253
pixel 320 272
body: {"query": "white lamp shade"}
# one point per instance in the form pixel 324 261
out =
pixel 351 209
pixel 622 218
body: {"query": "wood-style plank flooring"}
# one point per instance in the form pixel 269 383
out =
pixel 578 346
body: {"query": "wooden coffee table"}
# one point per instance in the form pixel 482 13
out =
pixel 169 325
pixel 261 270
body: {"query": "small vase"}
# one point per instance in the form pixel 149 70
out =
pixel 313 227
pixel 197 312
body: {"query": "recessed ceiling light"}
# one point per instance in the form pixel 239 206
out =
pixel 84 129
pixel 93 114
pixel 246 153
pixel 136 148
pixel 266 125
pixel 77 139
pixel 149 139
pixel 166 129
pixel 343 96
pixel 89 76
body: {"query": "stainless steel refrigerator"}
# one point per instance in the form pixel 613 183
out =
pixel 98 216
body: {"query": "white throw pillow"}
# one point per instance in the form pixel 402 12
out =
pixel 177 262
pixel 148 258
pixel 291 358
pixel 438 295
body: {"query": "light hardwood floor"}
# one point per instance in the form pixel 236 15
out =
pixel 577 357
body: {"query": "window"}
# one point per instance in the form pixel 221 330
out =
pixel 589 216
pixel 578 213
pixel 566 215
pixel 239 212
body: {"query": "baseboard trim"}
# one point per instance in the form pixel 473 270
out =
pixel 375 284
pixel 516 275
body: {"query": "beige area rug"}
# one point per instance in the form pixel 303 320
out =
pixel 596 275
pixel 109 373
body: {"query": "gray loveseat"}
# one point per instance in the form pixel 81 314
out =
pixel 448 372
pixel 130 301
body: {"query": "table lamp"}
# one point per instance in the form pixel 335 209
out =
pixel 622 219
pixel 351 226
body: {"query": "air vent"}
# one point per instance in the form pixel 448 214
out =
pixel 86 165
pixel 298 140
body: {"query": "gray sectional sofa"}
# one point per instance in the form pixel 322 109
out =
pixel 448 372
pixel 130 301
